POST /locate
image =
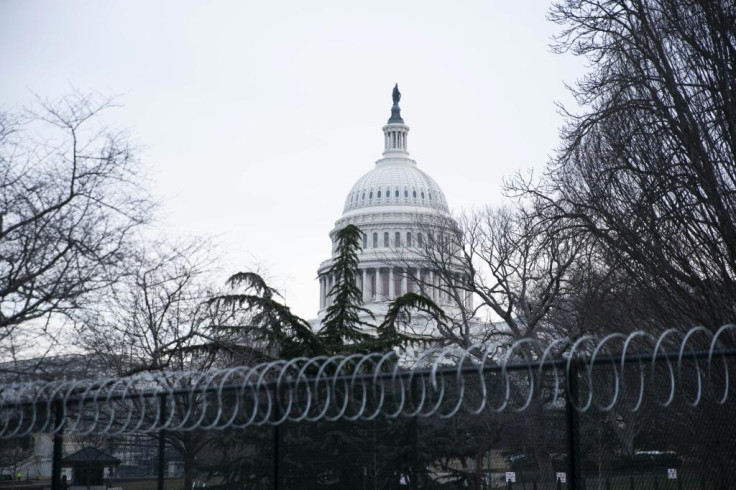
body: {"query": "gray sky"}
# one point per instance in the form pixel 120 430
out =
pixel 256 118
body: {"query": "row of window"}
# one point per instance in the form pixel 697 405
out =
pixel 387 194
pixel 409 242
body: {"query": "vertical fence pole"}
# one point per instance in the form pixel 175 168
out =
pixel 414 426
pixel 414 439
pixel 276 456
pixel 573 427
pixel 58 440
pixel 276 441
pixel 161 442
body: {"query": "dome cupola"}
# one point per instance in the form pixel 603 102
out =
pixel 395 132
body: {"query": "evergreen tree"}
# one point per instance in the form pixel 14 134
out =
pixel 341 327
pixel 269 329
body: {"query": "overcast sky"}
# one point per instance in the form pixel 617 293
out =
pixel 256 118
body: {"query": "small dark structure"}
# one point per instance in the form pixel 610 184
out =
pixel 88 466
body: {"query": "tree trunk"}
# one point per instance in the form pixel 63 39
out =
pixel 478 473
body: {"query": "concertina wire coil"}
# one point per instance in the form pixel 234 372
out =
pixel 437 382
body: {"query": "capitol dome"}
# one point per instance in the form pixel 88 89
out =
pixel 400 210
pixel 395 182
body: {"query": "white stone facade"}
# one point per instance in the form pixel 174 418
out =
pixel 398 207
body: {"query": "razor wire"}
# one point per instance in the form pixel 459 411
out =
pixel 619 370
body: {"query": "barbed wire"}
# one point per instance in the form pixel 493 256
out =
pixel 616 372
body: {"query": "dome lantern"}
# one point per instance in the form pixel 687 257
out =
pixel 395 131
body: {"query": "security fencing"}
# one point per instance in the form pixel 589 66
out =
pixel 629 411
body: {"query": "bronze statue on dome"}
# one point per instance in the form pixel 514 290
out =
pixel 395 110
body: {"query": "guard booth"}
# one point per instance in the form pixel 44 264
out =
pixel 88 466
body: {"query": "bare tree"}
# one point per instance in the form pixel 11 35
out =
pixel 648 169
pixel 515 265
pixel 157 316
pixel 70 199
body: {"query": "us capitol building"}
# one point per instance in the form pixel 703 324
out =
pixel 401 211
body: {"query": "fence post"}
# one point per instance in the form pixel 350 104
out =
pixel 58 440
pixel 276 440
pixel 414 438
pixel 573 427
pixel 161 442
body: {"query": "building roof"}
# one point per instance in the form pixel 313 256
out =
pixel 395 183
pixel 90 455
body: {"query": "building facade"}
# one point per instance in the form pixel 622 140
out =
pixel 401 211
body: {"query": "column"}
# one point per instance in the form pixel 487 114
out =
pixel 403 283
pixel 391 285
pixel 321 293
pixel 365 285
pixel 377 293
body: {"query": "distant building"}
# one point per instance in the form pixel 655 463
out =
pixel 399 209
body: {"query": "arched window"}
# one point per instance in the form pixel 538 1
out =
pixel 375 240
pixel 396 194
pixel 385 239
pixel 420 241
pixel 363 195
pixel 422 194
pixel 408 239
pixel 388 193
pixel 365 241
pixel 406 193
pixel 430 195
pixel 397 240
pixel 414 193
pixel 370 195
pixel 379 194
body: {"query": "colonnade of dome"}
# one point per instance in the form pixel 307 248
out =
pixel 385 283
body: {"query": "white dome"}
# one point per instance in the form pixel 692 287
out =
pixel 395 182
pixel 394 205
